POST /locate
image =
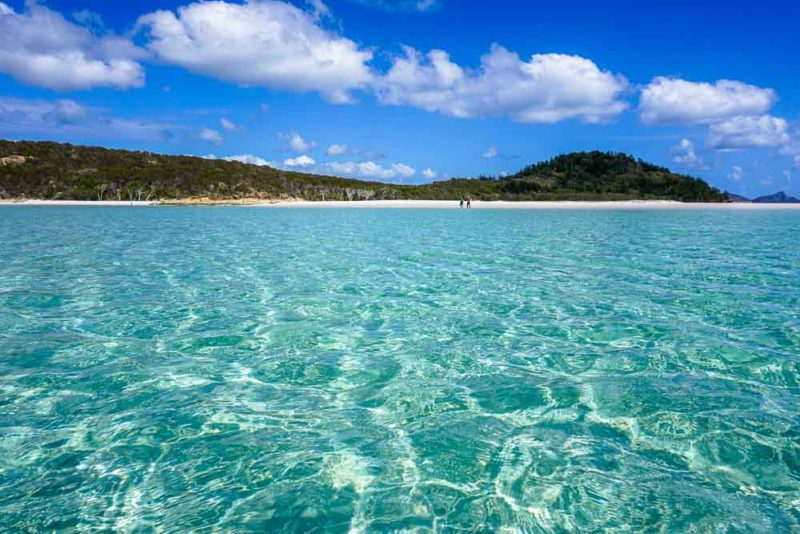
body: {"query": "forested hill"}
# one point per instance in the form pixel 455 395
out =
pixel 44 170
pixel 609 174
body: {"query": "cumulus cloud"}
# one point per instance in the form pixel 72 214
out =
pixel 736 114
pixel 212 136
pixel 265 43
pixel 68 117
pixel 736 173
pixel 250 160
pixel 370 169
pixel 350 169
pixel 300 161
pixel 547 89
pixel 337 150
pixel 294 142
pixel 227 125
pixel 40 47
pixel 490 153
pixel 675 101
pixel 748 132
pixel 684 154
pixel 403 170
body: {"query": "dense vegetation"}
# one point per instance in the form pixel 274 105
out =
pixel 62 171
pixel 609 175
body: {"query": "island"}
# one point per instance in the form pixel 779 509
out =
pixel 55 171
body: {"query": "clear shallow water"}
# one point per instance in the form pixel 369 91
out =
pixel 293 370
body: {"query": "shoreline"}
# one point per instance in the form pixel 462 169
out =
pixel 530 205
pixel 418 204
pixel 99 203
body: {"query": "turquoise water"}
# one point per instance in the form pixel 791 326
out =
pixel 232 369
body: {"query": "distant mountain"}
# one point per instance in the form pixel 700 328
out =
pixel 61 171
pixel 737 198
pixel 776 198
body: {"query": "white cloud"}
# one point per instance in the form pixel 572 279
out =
pixel 227 125
pixel 675 101
pixel 265 43
pixel 337 150
pixel 797 161
pixel 212 136
pixel 294 142
pixel 55 118
pixel 748 132
pixel 547 89
pixel 369 169
pixel 735 112
pixel 90 19
pixel 736 173
pixel 300 161
pixel 403 170
pixel 684 154
pixel 490 153
pixel 250 160
pixel 40 47
pixel 349 169
pixel 319 9
pixel 430 174
pixel 69 111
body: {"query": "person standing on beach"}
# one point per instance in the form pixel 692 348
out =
pixel 469 202
pixel 461 204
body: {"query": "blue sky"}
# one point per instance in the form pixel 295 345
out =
pixel 414 90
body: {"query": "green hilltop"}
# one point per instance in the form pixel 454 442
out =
pixel 45 170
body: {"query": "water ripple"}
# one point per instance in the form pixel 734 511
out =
pixel 221 369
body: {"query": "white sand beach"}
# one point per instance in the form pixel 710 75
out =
pixel 427 204
pixel 506 205
pixel 90 203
